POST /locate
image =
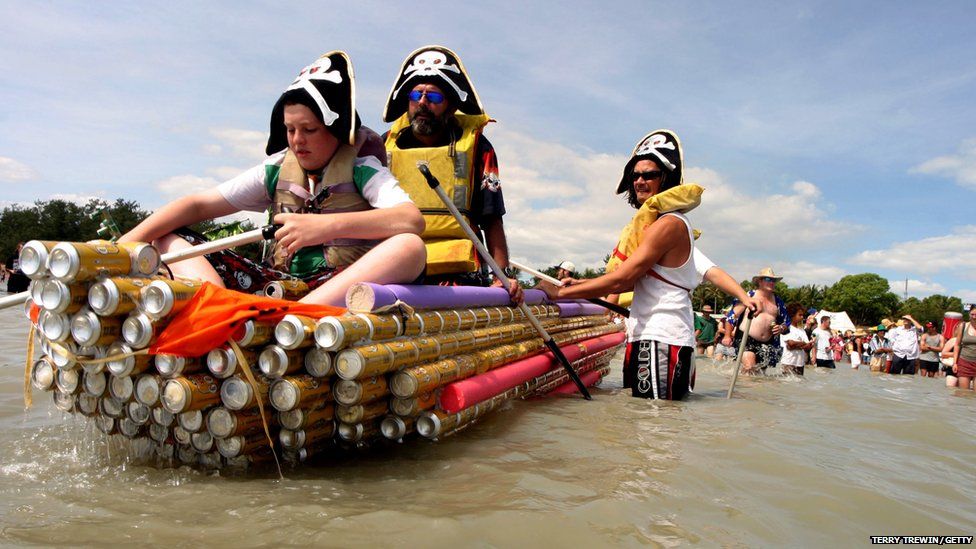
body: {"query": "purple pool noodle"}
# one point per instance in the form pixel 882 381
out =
pixel 368 296
pixel 577 308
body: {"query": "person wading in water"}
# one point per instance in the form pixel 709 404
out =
pixel 663 270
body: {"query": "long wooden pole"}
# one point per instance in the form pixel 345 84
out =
pixel 620 310
pixel 500 275
pixel 746 324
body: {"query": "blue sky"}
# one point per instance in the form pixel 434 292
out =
pixel 831 138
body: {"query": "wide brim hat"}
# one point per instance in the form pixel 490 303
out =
pixel 663 147
pixel 328 88
pixel 767 271
pixel 433 65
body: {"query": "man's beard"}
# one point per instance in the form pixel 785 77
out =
pixel 431 125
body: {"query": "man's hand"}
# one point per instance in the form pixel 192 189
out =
pixel 752 304
pixel 777 329
pixel 552 291
pixel 727 341
pixel 515 291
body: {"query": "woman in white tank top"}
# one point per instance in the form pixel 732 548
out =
pixel 663 271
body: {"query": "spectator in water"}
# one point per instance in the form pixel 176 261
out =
pixel 822 354
pixel 796 344
pixel 706 331
pixel 931 345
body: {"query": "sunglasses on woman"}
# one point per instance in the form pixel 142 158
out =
pixel 434 98
pixel 652 175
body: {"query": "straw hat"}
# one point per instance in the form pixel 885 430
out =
pixel 766 272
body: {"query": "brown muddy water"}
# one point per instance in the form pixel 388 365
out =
pixel 827 460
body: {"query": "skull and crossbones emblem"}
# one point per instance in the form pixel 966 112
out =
pixel 432 63
pixel 319 70
pixel 652 145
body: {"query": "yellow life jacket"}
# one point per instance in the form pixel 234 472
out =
pixel 448 249
pixel 336 192
pixel 682 198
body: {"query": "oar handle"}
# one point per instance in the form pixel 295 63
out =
pixel 256 235
pixel 500 275
pixel 619 309
pixel 746 324
pixel 538 274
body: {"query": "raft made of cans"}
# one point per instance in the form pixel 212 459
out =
pixel 434 362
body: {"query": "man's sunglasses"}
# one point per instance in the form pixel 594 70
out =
pixel 434 98
pixel 767 279
pixel 652 175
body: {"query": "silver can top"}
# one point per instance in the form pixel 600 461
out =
pixel 174 396
pixel 221 422
pixel 284 395
pixel 137 330
pixel 235 393
pixel 33 259
pixel 86 327
pixel 121 387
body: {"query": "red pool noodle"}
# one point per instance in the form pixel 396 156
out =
pixel 589 379
pixel 468 392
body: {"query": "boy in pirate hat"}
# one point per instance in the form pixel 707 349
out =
pixel 438 119
pixel 343 216
pixel 763 348
pixel 663 269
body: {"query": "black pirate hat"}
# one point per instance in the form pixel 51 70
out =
pixel 328 87
pixel 664 148
pixel 433 65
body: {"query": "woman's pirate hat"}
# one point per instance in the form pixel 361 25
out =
pixel 664 148
pixel 433 65
pixel 328 88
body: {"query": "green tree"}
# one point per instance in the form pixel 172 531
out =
pixel 865 297
pixel 808 295
pixel 930 309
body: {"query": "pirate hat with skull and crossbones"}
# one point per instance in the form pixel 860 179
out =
pixel 433 65
pixel 661 146
pixel 328 88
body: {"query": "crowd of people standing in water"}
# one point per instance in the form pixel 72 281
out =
pixel 794 338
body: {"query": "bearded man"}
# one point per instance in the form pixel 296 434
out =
pixel 438 119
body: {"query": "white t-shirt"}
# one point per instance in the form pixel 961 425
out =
pixel 904 342
pixel 248 191
pixel 794 357
pixel 823 344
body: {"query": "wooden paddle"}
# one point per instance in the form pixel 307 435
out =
pixel 500 275
pixel 746 323
pixel 619 309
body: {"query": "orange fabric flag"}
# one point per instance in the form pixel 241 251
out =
pixel 214 314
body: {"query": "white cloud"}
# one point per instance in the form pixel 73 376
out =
pixel 13 171
pixel 967 296
pixel 80 199
pixel 938 254
pixel 916 288
pixel 224 173
pixel 960 166
pixel 182 185
pixel 237 143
